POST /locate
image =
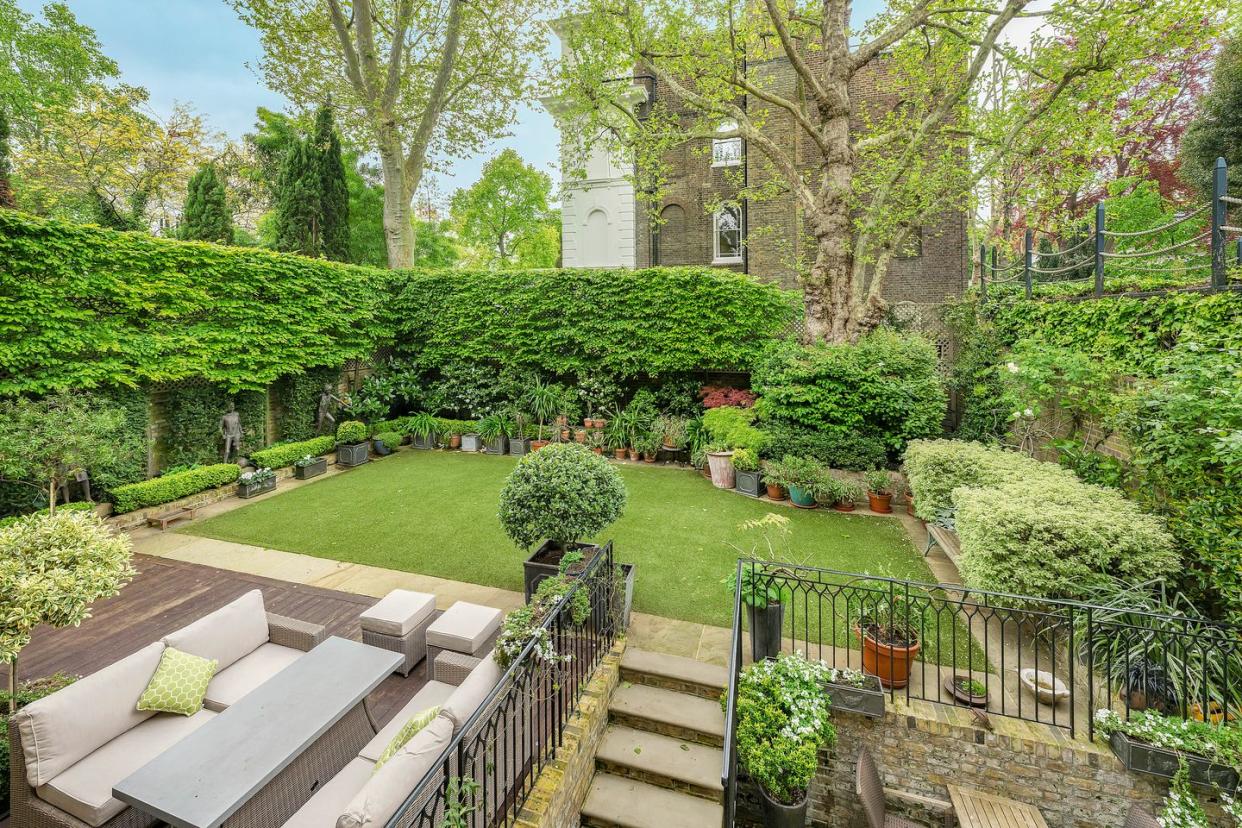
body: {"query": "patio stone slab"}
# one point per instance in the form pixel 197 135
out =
pixel 241 557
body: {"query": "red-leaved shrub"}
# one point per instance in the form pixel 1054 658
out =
pixel 717 396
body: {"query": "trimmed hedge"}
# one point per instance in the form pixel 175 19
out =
pixel 172 487
pixel 277 457
pixel 934 468
pixel 1056 539
pixel 851 452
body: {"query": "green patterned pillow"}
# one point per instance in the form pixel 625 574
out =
pixel 179 683
pixel 407 732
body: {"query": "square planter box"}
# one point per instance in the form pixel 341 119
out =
pixel 313 470
pixel 546 563
pixel 469 442
pixel 1141 757
pixel 428 442
pixel 747 482
pixel 353 454
pixel 496 446
pixel 867 700
pixel 519 446
pixel 628 571
pixel 248 490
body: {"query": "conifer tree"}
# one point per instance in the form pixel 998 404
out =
pixel 6 169
pixel 334 191
pixel 298 204
pixel 1216 131
pixel 205 216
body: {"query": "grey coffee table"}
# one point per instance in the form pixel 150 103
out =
pixel 256 763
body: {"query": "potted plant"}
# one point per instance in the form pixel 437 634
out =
pixel 879 491
pixel 855 692
pixel 1148 742
pixel 647 444
pixel 519 440
pixel 470 440
pixel 543 400
pixel 254 483
pixel 782 724
pixel 352 446
pixel 596 442
pixel 494 432
pixel 967 690
pixel 1147 686
pixel 842 494
pixel 890 643
pixel 804 478
pixel 423 429
pixel 449 433
pixel 559 496
pixel 308 466
pixel 385 443
pixel 616 437
pixel 720 464
pixel 746 472
pixel 765 612
pixel 774 479
pixel 672 431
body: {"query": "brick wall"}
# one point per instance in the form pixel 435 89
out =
pixel 562 785
pixel 921 748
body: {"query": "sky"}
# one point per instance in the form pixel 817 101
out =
pixel 198 52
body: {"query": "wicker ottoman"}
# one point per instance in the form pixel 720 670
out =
pixel 452 668
pixel 399 622
pixel 469 629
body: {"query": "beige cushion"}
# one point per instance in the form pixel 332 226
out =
pixel 234 630
pixel 68 725
pixel 391 785
pixel 325 807
pixel 85 790
pixel 398 612
pixel 247 673
pixel 433 693
pixel 464 627
pixel 470 694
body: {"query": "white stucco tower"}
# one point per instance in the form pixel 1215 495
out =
pixel 597 200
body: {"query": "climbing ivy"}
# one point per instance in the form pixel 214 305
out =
pixel 296 398
pixel 192 423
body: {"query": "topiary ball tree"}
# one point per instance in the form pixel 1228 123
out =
pixel 563 493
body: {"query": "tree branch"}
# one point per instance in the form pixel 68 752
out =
pixel 416 159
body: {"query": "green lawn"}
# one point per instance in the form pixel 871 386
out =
pixel 435 513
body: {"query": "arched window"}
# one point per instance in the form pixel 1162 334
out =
pixel 597 240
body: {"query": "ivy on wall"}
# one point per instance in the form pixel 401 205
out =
pixel 130 462
pixel 192 430
pixel 296 399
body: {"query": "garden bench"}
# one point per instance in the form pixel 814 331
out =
pixel 873 795
pixel 946 539
pixel 164 518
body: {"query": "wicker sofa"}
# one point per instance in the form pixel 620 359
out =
pixel 68 749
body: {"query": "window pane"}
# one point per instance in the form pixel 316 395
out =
pixel 727 152
pixel 729 233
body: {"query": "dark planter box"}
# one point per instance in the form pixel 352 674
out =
pixel 628 571
pixel 428 442
pixel 469 442
pixel 496 446
pixel 868 700
pixel 313 470
pixel 1141 757
pixel 747 482
pixel 352 454
pixel 519 446
pixel 546 563
pixel 765 630
pixel 248 490
pixel 381 448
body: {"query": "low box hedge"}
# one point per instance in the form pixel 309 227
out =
pixel 935 468
pixel 1056 538
pixel 170 487
pixel 277 457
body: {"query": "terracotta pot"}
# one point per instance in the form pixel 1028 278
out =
pixel 649 457
pixel 720 465
pixel 881 502
pixel 580 435
pixel 597 449
pixel 635 455
pixel 535 445
pixel 776 492
pixel 844 505
pixel 562 420
pixel 455 441
pixel 600 423
pixel 619 454
pixel 565 434
pixel 891 665
pixel 910 506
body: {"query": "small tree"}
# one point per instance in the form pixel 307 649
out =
pixel 562 492
pixel 206 215
pixel 55 437
pixel 52 567
pixel 333 189
pixel 6 166
pixel 505 211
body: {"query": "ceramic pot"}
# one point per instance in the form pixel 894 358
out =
pixel 721 465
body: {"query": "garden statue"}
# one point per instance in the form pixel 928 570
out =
pixel 323 415
pixel 231 431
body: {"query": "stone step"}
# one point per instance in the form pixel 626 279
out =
pixel 617 802
pixel 669 713
pixel 672 672
pixel 675 764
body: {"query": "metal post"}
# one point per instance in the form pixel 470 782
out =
pixel 983 276
pixel 1099 249
pixel 1237 259
pixel 1028 259
pixel 1220 187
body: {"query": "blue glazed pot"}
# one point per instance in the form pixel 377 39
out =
pixel 802 498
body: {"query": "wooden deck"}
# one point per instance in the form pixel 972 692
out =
pixel 167 595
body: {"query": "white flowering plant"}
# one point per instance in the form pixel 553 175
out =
pixel 783 722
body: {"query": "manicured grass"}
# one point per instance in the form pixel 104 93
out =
pixel 435 513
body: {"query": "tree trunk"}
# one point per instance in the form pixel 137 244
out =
pixel 398 226
pixel 13 686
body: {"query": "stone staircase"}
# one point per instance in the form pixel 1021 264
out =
pixel 659 763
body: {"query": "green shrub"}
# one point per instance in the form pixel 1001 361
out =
pixel 1055 538
pixel 851 452
pixel 732 427
pixel 563 493
pixel 170 487
pixel 351 432
pixel 389 438
pixel 934 468
pixel 453 428
pixel 279 456
pixel 381 426
pixel 745 460
pixel 887 386
pixel 76 506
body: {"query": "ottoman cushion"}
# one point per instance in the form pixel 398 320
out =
pixel 398 612
pixel 464 627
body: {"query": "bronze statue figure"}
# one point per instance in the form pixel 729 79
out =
pixel 231 430
pixel 323 415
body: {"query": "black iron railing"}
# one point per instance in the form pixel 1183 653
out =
pixel 486 773
pixel 728 776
